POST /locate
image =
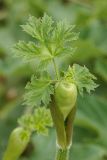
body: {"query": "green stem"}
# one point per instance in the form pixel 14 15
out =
pixel 62 154
pixel 56 70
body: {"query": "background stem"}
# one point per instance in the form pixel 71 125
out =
pixel 62 154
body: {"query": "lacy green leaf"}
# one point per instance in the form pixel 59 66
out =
pixel 27 51
pixel 39 28
pixel 38 91
pixel 38 121
pixel 31 51
pixel 53 40
pixel 63 37
pixel 26 121
pixel 42 120
pixel 82 78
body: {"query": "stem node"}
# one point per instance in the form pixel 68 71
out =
pixel 62 154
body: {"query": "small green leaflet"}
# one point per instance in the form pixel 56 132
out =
pixel 51 40
pixel 81 77
pixel 31 51
pixel 39 28
pixel 26 122
pixel 63 38
pixel 42 120
pixel 28 51
pixel 38 91
pixel 37 121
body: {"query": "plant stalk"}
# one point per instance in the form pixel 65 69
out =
pixel 62 154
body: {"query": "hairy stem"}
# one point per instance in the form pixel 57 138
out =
pixel 56 70
pixel 62 154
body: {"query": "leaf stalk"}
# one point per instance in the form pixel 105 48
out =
pixel 56 69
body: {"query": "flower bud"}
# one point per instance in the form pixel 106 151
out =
pixel 17 143
pixel 65 97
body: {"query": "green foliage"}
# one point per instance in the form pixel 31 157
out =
pixel 28 50
pixel 89 132
pixel 90 17
pixel 38 91
pixel 42 119
pixel 81 77
pixel 37 121
pixel 39 28
pixel 53 40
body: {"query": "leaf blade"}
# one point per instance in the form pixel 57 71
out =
pixel 38 91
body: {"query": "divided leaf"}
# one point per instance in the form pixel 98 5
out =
pixel 39 28
pixel 53 40
pixel 32 51
pixel 82 78
pixel 38 91
pixel 42 120
pixel 27 51
pixel 37 121
pixel 63 37
pixel 26 122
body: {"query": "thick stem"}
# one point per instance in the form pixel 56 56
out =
pixel 62 154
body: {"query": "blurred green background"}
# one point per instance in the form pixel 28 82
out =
pixel 90 129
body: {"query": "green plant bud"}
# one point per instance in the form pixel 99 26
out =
pixel 65 97
pixel 17 143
